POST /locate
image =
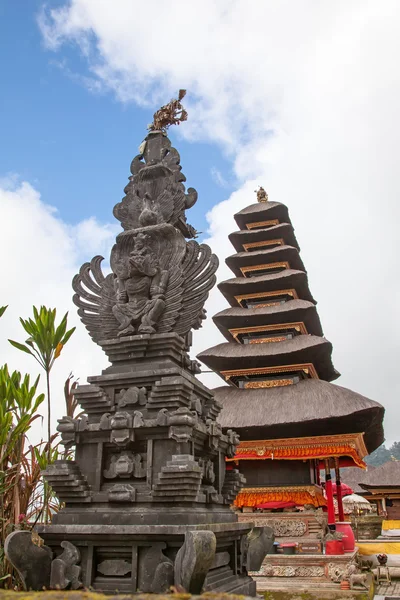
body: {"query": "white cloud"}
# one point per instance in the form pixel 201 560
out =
pixel 303 96
pixel 40 255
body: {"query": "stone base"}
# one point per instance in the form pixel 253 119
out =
pixel 313 571
pixel 307 527
pixel 297 591
pixel 125 558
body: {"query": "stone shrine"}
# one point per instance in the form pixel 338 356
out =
pixel 147 497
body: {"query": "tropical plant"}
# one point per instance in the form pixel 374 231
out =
pixel 45 343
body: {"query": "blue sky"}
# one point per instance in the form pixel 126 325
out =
pixel 73 145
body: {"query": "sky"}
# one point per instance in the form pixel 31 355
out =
pixel 300 97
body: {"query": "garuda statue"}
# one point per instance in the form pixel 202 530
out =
pixel 159 282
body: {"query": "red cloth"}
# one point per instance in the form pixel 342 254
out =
pixel 271 505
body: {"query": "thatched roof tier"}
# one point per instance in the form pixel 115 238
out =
pixel 312 407
pixel 281 255
pixel 253 237
pixel 259 212
pixel 385 476
pixel 289 279
pixel 294 311
pixel 303 349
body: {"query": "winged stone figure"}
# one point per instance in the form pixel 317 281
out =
pixel 159 284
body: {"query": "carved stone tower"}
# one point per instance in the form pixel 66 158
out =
pixel 147 498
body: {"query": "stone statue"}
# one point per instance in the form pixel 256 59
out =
pixel 141 290
pixel 146 502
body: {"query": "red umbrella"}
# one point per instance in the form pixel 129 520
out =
pixel 346 489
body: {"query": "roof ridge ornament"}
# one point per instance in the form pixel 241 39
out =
pixel 172 113
pixel 262 195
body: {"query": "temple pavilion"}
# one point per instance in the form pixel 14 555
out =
pixel 277 369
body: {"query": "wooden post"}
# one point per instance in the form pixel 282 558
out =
pixel 339 490
pixel 329 495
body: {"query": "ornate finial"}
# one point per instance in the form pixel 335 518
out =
pixel 262 195
pixel 172 113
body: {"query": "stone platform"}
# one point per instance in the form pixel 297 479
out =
pixel 312 569
pixel 306 528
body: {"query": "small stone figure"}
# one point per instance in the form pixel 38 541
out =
pixel 65 572
pixel 261 541
pixel 141 291
pixel 194 560
pixel 32 562
pixel 262 195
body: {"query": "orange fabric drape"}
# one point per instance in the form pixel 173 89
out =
pixel 301 496
pixel 298 453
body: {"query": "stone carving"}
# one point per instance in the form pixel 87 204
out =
pixel 122 493
pixel 269 570
pixel 150 451
pixel 131 397
pixel 233 442
pixel 156 571
pixel 337 572
pixel 32 562
pixel 67 426
pixel 158 281
pixel 65 571
pixel 114 567
pixel 194 560
pixel 141 285
pixel 260 543
pixel 291 528
pixel 208 470
pixel 126 464
pixel 121 423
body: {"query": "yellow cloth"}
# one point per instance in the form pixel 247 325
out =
pixel 379 548
pixel 390 524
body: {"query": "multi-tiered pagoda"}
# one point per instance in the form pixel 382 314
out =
pixel 292 421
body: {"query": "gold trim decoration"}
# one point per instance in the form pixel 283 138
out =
pixel 251 385
pixel 262 195
pixel 307 368
pixel 266 267
pixel 314 490
pixel 297 326
pixel 268 340
pixel 262 224
pixel 347 444
pixel 277 242
pixel 290 292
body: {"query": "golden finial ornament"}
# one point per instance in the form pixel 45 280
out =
pixel 172 113
pixel 262 195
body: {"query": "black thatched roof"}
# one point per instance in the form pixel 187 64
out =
pixel 310 407
pixel 353 477
pixel 299 350
pixel 283 231
pixel 265 256
pixel 290 312
pixel 262 211
pixel 387 475
pixel 287 279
